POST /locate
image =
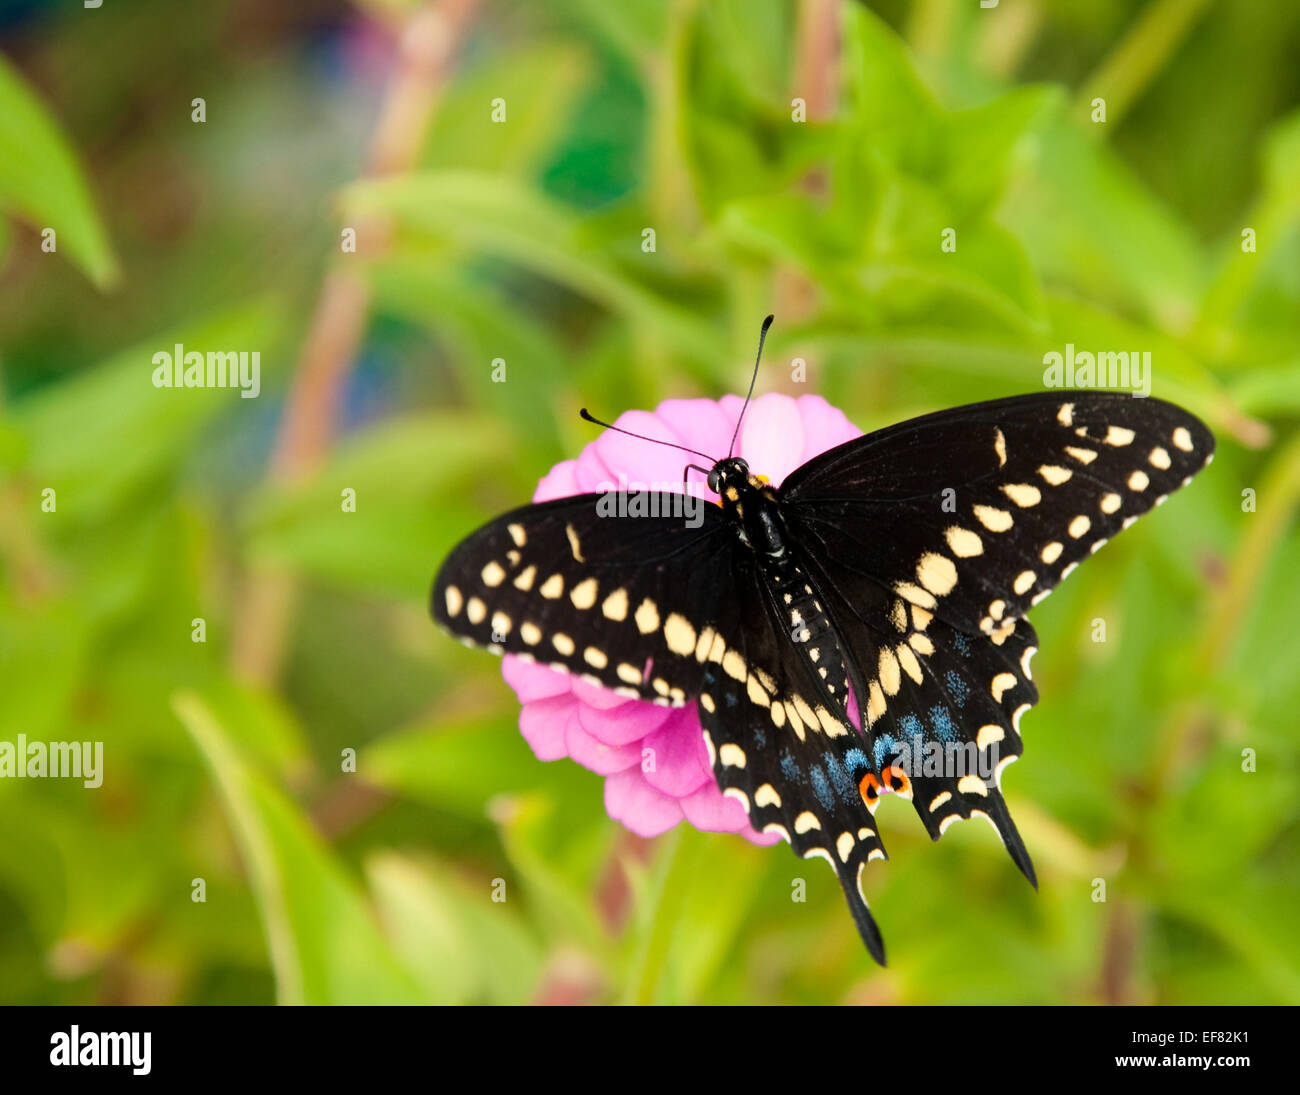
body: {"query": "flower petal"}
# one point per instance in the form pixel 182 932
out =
pixel 708 809
pixel 681 763
pixel 647 812
pixel 629 721
pixel 594 754
pixel 543 722
pixel 824 426
pixel 772 437
pixel 560 482
pixel 532 681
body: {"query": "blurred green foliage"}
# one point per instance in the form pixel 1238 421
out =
pixel 523 241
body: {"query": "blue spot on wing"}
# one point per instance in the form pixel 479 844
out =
pixel 790 768
pixel 961 644
pixel 941 724
pixel 760 737
pixel 822 789
pixel 958 689
pixel 856 760
pixel 844 784
pixel 885 746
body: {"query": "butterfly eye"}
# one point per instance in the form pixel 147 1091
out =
pixel 714 482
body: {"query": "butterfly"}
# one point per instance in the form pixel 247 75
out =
pixel 860 630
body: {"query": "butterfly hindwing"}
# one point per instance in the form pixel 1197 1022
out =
pixel 780 744
pixel 618 599
pixel 942 708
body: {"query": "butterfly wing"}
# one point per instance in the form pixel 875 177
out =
pixel 942 708
pixel 976 513
pixel 615 589
pixel 929 541
pixel 780 744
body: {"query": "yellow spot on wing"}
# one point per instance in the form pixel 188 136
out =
pixel 679 634
pixel 890 680
pixel 1001 684
pixel 583 595
pixel 647 617
pixel 963 543
pixel 732 756
pixel 908 661
pixel 614 606
pixel 937 573
pixel 1023 495
pixel 915 594
pixel 993 519
pixel 574 546
pixel 806 822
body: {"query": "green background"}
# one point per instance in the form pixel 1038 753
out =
pixel 522 240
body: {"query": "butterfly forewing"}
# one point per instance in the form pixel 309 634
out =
pixel 978 512
pixel 624 601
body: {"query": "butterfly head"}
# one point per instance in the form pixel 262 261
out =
pixel 730 475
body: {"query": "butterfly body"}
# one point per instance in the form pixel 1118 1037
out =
pixel 855 631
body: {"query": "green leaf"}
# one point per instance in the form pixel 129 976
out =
pixel 444 765
pixel 538 84
pixel 488 214
pixel 41 183
pixel 407 512
pixel 325 948
pixel 1090 223
pixel 101 434
pixel 464 948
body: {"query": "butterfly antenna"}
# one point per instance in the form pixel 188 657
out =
pixel 642 437
pixel 762 337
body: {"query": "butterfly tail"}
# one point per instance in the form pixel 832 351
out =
pixel 1000 817
pixel 851 879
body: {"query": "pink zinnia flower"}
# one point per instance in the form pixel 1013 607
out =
pixel 563 716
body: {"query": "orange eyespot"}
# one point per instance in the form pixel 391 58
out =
pixel 869 788
pixel 896 780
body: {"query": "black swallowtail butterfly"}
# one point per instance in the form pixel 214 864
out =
pixel 859 630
